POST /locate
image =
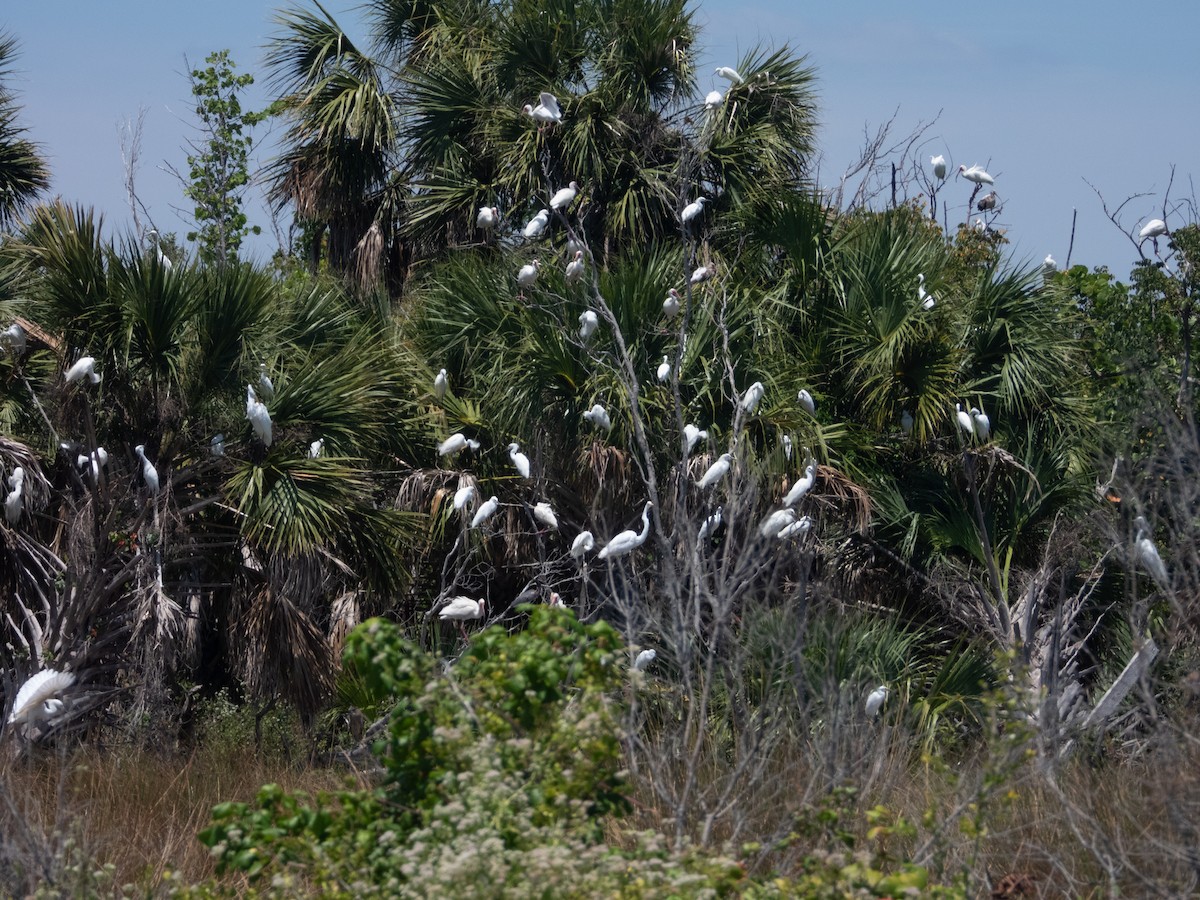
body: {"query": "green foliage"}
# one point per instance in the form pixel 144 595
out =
pixel 218 167
pixel 23 172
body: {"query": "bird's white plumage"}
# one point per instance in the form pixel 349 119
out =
pixel 628 541
pixel 149 473
pixel 1147 554
pixel 702 273
pixel 14 502
pixel 588 323
pixel 964 420
pixel 981 424
pixel 14 337
pixel 643 659
pixel 715 472
pixel 939 166
pixel 803 485
pixel 776 522
pixel 806 401
pixel 266 386
pixel 316 448
pixel 1152 229
pixel 260 418
pixel 535 227
pixel 693 209
pixel 599 417
pixel 564 197
pixel 799 528
pixel 693 435
pixel 37 691
pixel 582 545
pixel 710 524
pixel 671 304
pixel 1049 266
pixel 528 274
pixel 519 459
pixel 544 514
pixel 664 370
pixel 924 297
pixel 906 421
pixel 786 442
pixel 485 512
pixel 976 174
pixel 441 384
pixel 463 496
pixel 462 609
pixel 575 267
pixel 713 100
pixel 753 397
pixel 547 111
pixel 456 442
pixel 84 367
pixel 730 75
pixel 487 217
pixel 875 700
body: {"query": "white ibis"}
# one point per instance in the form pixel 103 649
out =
pixel 535 227
pixel 693 435
pixel 582 545
pixel 964 420
pixel 671 304
pixel 528 274
pixel 807 403
pixel 555 601
pixel 715 472
pixel 664 371
pixel 753 397
pixel 564 197
pixel 149 473
pixel 628 541
pixel 776 522
pixel 803 485
pixel 702 273
pixel 37 699
pixel 799 528
pixel 1155 228
pixel 713 100
pixel 544 514
pixel 976 175
pixel 547 110
pixel 598 416
pixel 519 460
pixel 485 511
pixel 643 659
pixel 939 166
pixel 906 422
pixel 574 246
pixel 216 446
pixel 463 496
pixel 15 500
pixel 316 449
pixel 987 202
pixel 456 442
pixel 441 383
pixel 875 699
pixel 462 610
pixel 923 296
pixel 693 209
pixel 981 423
pixel 260 418
pixel 575 267
pixel 266 387
pixel 588 323
pixel 1147 554
pixel 486 218
pixel 710 525
pixel 730 75
pixel 14 337
pixel 85 367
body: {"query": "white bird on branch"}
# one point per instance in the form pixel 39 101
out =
pixel 14 337
pixel 799 528
pixel 1049 266
pixel 1155 228
pixel 547 111
pixel 15 501
pixel 730 75
pixel 260 418
pixel 715 472
pixel 628 541
pixel 671 304
pixel 575 267
pixel 149 473
pixel 664 371
pixel 441 384
pixel 987 202
pixel 463 496
pixel 693 209
pixel 462 610
pixel 807 403
pixel 598 416
pixel 753 397
pixel 1147 554
pixel 701 274
pixel 544 514
pixel 456 442
pixel 924 297
pixel 535 227
pixel 564 197
pixel 266 387
pixel 316 449
pixel 485 512
pixel 976 175
pixel 964 420
pixel 776 522
pixel 528 274
pixel 939 166
pixel 85 367
pixel 981 423
pixel 803 485
pixel 588 323
pixel 875 699
pixel 693 435
pixel 519 459
pixel 643 659
pixel 487 217
pixel 37 699
pixel 710 525
pixel 713 100
pixel 582 545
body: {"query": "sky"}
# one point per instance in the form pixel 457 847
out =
pixel 1043 94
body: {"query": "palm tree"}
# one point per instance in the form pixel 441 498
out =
pixel 23 172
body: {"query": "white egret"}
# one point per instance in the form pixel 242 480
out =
pixel 598 416
pixel 564 197
pixel 803 485
pixel 487 217
pixel 964 420
pixel 776 522
pixel 786 441
pixel 799 528
pixel 987 202
pixel 316 449
pixel 463 496
pixel 535 227
pixel 575 267
pixel 702 273
pixel 939 166
pixel 664 370
pixel 528 274
pixel 715 472
pixel 163 259
pixel 37 698
pixel 544 514
pixel 519 459
pixel 1049 266
pixel 730 75
pixel 456 442
pixel 643 659
pixel 671 304
pixel 441 384
pixel 923 296
pixel 149 473
pixel 1155 228
pixel 976 174
pixel 981 424
pixel 85 367
pixel 692 435
pixel 462 610
pixel 875 699
pixel 14 337
pixel 980 225
pixel 713 100
pixel 588 323
pixel 485 511
pixel 628 541
pixel 266 387
pixel 94 461
pixel 710 525
pixel 1147 554
pixel 15 501
pixel 582 545
pixel 260 419
pixel 547 111
pixel 217 445
pixel 807 403
pixel 693 209
pixel 753 397
pixel 906 422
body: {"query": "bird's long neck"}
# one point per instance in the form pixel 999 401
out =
pixel 645 532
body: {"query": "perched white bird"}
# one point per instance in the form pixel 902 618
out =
pixel 923 296
pixel 441 384
pixel 316 448
pixel 981 423
pixel 266 387
pixel 628 541
pixel 976 174
pixel 519 459
pixel 1147 554
pixel 485 512
pixel 555 600
pixel 671 304
pixel 776 522
pixel 15 500
pixel 588 323
pixel 693 435
pixel 753 397
pixel 713 100
pixel 217 445
pixel 710 525
pixel 487 217
pixel 803 485
pixel 528 274
pixel 1049 266
pixel 730 75
pixel 536 226
pixel 462 609
pixel 987 202
pixel 693 209
pixel 964 420
pixel 643 659
pixel 664 370
pixel 598 416
pixel 1153 229
pixel 906 422
pixel 715 472
pixel 574 246
pixel 86 366
pixel 875 699
pixel 14 337
pixel 799 528
pixel 939 166
pixel 564 197
pixel 456 442
pixel 149 473
pixel 980 225
pixel 547 111
pixel 260 418
pixel 575 267
pixel 93 461
pixel 786 441
pixel 163 259
pixel 544 514
pixel 463 496
pixel 807 403
pixel 582 545
pixel 37 698
pixel 702 273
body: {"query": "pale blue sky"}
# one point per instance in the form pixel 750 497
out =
pixel 1045 93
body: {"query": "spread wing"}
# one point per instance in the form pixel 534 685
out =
pixel 40 688
pixel 551 103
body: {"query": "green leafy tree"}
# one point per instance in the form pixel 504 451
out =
pixel 23 172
